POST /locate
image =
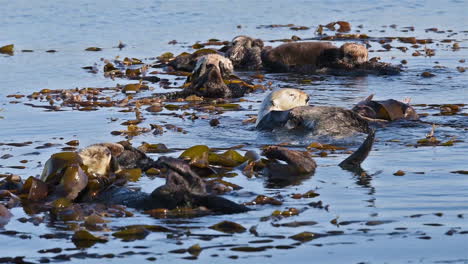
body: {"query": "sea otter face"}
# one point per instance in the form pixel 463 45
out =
pixel 98 159
pixel 354 53
pixel 280 100
pixel 208 76
pixel 220 64
pixel 245 52
pixel 365 108
pixel 287 98
pixel 365 111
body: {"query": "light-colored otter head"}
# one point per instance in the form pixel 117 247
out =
pixel 207 78
pixel 100 158
pixel 245 52
pixel 221 64
pixel 282 100
pixel 354 53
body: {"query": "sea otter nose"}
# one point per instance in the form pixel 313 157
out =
pixel 307 99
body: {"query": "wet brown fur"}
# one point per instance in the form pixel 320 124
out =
pixel 309 56
pixel 389 110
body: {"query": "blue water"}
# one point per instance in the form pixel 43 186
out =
pixel 146 27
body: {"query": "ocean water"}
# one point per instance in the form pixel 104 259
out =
pixel 414 211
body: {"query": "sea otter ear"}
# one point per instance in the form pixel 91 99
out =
pixel 273 103
pixel 258 43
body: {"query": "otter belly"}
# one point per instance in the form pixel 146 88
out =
pixel 327 120
pixel 319 120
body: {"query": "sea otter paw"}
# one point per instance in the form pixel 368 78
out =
pixel 300 161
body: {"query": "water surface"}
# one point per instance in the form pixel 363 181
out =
pixel 428 193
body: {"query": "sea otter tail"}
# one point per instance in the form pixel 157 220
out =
pixel 353 162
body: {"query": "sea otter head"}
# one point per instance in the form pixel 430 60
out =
pixel 287 98
pixel 100 158
pixel 366 108
pixel 365 111
pixel 282 100
pixel 208 76
pixel 353 53
pixel 245 52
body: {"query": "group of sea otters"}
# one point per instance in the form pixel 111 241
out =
pixel 92 174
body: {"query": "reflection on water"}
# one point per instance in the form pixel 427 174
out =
pixel 385 218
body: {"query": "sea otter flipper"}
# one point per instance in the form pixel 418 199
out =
pixel 272 120
pixel 353 162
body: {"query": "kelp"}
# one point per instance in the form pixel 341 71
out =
pixel 7 49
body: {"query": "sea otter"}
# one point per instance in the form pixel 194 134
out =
pixel 306 57
pixel 213 77
pixel 66 175
pixel 245 52
pixel 207 78
pixel 310 56
pixel 99 159
pixel 289 108
pixel 388 110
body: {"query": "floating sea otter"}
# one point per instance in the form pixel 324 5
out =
pixel 213 77
pixel 289 108
pixel 388 110
pixel 311 57
pixel 90 176
pixel 245 53
pixel 208 76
